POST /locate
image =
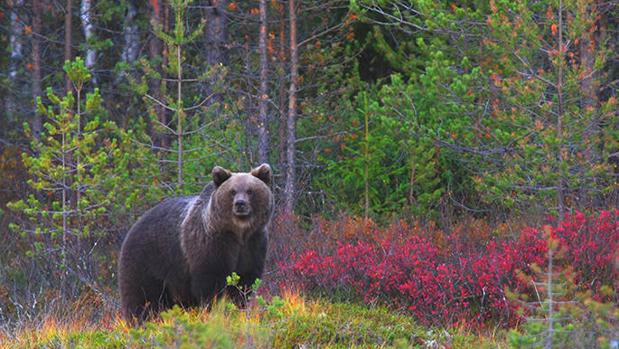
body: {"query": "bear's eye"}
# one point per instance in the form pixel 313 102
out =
pixel 232 192
pixel 249 192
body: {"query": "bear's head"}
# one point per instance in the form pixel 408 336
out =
pixel 242 202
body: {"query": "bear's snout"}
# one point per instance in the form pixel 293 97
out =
pixel 241 205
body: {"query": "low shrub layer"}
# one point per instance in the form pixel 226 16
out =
pixel 283 322
pixel 462 278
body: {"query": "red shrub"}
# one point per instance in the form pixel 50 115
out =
pixel 455 279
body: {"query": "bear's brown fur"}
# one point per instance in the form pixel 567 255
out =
pixel 180 251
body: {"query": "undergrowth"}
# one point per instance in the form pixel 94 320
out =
pixel 466 278
pixel 289 321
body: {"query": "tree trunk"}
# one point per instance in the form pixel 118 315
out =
pixel 216 32
pixel 589 100
pixel 562 152
pixel 289 188
pixel 263 97
pixel 88 28
pixel 65 205
pixel 281 80
pixel 155 48
pixel 251 122
pixel 587 60
pixel 15 60
pixel 130 52
pixel 36 65
pixel 131 34
pixel 215 45
pixel 68 19
pixel 366 164
pixel 180 113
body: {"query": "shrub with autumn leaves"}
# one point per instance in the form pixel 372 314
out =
pixel 459 278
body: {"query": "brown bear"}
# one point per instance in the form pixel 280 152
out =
pixel 180 251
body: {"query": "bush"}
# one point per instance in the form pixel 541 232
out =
pixel 456 281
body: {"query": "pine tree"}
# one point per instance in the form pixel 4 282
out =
pixel 80 171
pixel 194 121
pixel 541 115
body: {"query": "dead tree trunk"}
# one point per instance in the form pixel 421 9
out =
pixel 36 65
pixel 289 187
pixel 281 81
pixel 216 40
pixel 155 48
pixel 561 185
pixel 263 97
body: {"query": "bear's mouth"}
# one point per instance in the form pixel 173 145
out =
pixel 241 212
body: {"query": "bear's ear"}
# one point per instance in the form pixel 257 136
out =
pixel 263 172
pixel 220 175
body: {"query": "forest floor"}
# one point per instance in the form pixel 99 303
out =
pixel 290 321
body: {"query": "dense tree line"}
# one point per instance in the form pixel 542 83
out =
pixel 387 109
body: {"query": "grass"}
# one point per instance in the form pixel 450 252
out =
pixel 287 322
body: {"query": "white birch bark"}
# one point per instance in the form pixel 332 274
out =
pixel 89 29
pixel 15 39
pixel 132 37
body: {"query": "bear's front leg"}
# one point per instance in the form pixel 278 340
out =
pixel 208 276
pixel 250 266
pixel 207 286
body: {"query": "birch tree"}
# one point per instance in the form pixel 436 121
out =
pixel 16 57
pixel 68 38
pixel 88 29
pixel 130 34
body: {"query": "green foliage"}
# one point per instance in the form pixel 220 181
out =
pixel 198 132
pixel 424 107
pixel 280 323
pixel 581 323
pixel 497 110
pixel 179 327
pixel 428 103
pixel 345 175
pixel 233 279
pixel 541 117
pixel 408 118
pixel 221 143
pixel 67 165
pixel 84 172
pixel 564 315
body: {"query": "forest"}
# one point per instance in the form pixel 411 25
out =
pixel 445 173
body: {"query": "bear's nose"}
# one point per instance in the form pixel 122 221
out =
pixel 241 206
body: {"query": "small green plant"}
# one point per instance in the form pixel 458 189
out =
pixel 233 280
